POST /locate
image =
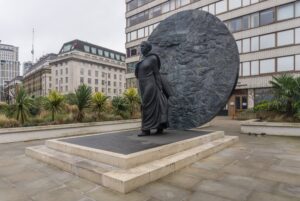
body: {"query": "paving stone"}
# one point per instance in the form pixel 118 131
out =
pixel 223 190
pixel 290 163
pixel 239 169
pixel 279 176
pixel 58 194
pixel 12 194
pixel 164 192
pixel 81 185
pixel 213 162
pixel 288 156
pixel 289 190
pixel 200 196
pixel 200 172
pixel 288 169
pixel 104 194
pixel 6 171
pixel 262 196
pixel 25 176
pixel 181 180
pixel 249 182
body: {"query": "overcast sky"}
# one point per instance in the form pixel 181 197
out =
pixel 55 22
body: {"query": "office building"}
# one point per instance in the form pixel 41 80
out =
pixel 11 89
pixel 27 66
pixel 267 33
pixel 9 66
pixel 79 62
pixel 37 80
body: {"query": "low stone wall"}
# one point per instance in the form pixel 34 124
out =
pixel 270 128
pixel 8 135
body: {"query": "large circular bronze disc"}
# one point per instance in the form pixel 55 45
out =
pixel 200 60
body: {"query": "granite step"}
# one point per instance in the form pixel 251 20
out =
pixel 126 161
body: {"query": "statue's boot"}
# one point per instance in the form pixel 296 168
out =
pixel 144 133
pixel 160 131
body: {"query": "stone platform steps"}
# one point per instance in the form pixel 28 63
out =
pixel 132 170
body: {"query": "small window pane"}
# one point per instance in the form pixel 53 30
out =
pixel 172 5
pixel 128 37
pixel 239 44
pixel 285 38
pixel 297 9
pixel 267 66
pixel 267 41
pixel 165 7
pixel 246 45
pixel 205 8
pixel 255 44
pixel 285 12
pixel 285 64
pixel 146 31
pixel 246 68
pixel 246 2
pixel 221 6
pixel 240 70
pixel 255 20
pixel 86 48
pixel 254 1
pixel 184 2
pixel 100 52
pixel 246 22
pixel 133 35
pixel 234 4
pixel 141 33
pixel 211 9
pixel 297 62
pixel 266 17
pixel 235 25
pixel 297 34
pixel 254 67
pixel 94 50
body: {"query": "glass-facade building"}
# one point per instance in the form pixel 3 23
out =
pixel 9 67
pixel 267 33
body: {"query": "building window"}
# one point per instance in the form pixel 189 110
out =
pixel 89 80
pixel 254 68
pixel 103 82
pixel 86 48
pixel 285 12
pixel 267 66
pixel 61 71
pixel 233 4
pixel 94 50
pixel 267 41
pixel 100 52
pixel 96 73
pixel 246 45
pixel 96 89
pixel 235 25
pixel 266 17
pixel 81 71
pixel 254 20
pixel 297 9
pixel 96 81
pixel 141 33
pixel 67 71
pixel 246 69
pixel 297 62
pixel 285 63
pixel 108 83
pixel 67 79
pixel 285 38
pixel 239 45
pixel 66 88
pixel 106 53
pixel 211 9
pixel 56 81
pixel 254 44
pixel 221 6
pixel 112 55
pixel 133 35
pixel 246 22
pixel 297 34
pixel 108 75
pixel 81 80
pixel 56 72
pixel 89 73
pixel 246 2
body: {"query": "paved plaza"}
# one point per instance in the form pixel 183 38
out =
pixel 256 168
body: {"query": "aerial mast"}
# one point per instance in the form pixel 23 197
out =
pixel 32 50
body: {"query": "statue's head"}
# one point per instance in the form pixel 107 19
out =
pixel 146 47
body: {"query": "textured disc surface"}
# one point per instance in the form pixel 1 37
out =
pixel 200 60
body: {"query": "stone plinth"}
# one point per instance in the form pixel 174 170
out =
pixel 123 162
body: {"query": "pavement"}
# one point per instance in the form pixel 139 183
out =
pixel 257 168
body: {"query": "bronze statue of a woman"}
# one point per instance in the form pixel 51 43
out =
pixel 154 103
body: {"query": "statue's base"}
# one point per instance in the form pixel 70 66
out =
pixel 123 162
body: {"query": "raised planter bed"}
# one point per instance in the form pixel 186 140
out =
pixel 20 134
pixel 270 128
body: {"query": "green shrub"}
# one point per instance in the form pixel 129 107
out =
pixel 6 122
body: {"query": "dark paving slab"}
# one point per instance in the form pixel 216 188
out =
pixel 127 142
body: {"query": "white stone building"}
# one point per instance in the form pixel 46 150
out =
pixel 267 34
pixel 80 62
pixel 9 66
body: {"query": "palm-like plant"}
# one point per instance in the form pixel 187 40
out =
pixel 120 105
pixel 22 105
pixel 99 102
pixel 285 91
pixel 54 102
pixel 133 99
pixel 83 100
